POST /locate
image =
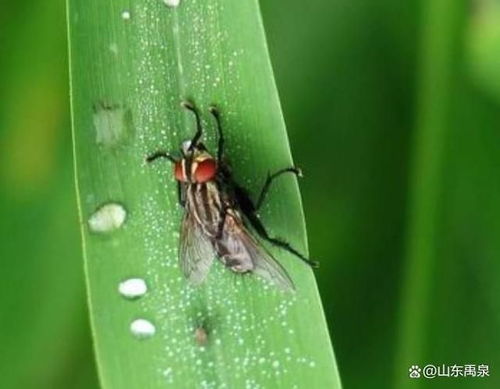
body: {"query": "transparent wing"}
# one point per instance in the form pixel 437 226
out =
pixel 243 253
pixel 266 266
pixel 196 252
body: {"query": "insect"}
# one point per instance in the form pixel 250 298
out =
pixel 218 212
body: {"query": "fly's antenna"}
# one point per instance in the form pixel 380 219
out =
pixel 220 146
pixel 199 130
pixel 160 154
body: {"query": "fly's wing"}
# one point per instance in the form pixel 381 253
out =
pixel 243 253
pixel 196 252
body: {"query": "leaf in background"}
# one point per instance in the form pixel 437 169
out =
pixel 439 45
pixel 44 334
pixel 349 108
pixel 483 40
pixel 449 309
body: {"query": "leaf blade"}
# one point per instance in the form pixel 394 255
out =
pixel 212 52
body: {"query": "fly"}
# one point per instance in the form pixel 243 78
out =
pixel 217 212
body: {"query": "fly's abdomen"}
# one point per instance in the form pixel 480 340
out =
pixel 234 244
pixel 236 261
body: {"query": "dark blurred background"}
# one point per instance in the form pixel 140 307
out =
pixel 393 112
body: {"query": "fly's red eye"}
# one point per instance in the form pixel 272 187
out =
pixel 179 171
pixel 206 170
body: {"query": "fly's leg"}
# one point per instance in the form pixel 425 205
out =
pixel 259 227
pixel 162 154
pixel 270 179
pixel 199 130
pixel 181 198
pixel 220 143
pixel 249 210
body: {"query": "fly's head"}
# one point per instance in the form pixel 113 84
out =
pixel 196 164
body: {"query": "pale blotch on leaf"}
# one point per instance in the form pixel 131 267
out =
pixel 113 47
pixel 112 123
pixel 142 328
pixel 107 218
pixel 201 336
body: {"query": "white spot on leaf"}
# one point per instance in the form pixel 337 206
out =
pixel 142 328
pixel 172 3
pixel 133 288
pixel 107 218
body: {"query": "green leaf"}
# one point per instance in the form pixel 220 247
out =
pixel 131 65
pixel 44 327
pixel 482 39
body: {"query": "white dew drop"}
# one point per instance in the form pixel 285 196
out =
pixel 107 218
pixel 172 3
pixel 126 15
pixel 142 328
pixel 133 288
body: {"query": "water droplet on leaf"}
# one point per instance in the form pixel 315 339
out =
pixel 107 218
pixel 172 3
pixel 133 288
pixel 142 328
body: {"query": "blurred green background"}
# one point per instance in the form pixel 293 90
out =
pixel 393 112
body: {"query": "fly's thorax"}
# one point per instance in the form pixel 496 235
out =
pixel 204 202
pixel 200 167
